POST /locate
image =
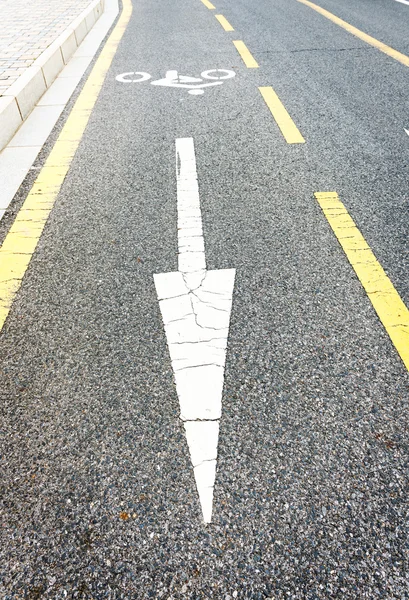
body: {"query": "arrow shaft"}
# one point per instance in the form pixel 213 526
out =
pixel 191 258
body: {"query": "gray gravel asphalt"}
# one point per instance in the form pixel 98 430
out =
pixel 311 497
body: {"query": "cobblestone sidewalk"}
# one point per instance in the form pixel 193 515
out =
pixel 27 28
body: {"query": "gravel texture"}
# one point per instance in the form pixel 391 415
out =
pixel 311 498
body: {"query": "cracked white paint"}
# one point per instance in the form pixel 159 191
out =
pixel 195 306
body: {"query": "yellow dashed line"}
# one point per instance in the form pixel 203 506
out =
pixel 389 306
pixel 209 4
pixel 281 116
pixel 22 239
pixel 224 23
pixel 402 58
pixel 245 54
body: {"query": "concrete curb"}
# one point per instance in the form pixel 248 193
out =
pixel 21 97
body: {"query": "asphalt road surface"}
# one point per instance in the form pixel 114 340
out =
pixel 99 497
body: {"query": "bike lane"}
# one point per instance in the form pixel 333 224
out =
pixel 100 493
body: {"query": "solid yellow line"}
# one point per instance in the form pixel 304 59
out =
pixel 208 4
pixel 23 236
pixel 389 306
pixel 281 116
pixel 402 58
pixel 224 23
pixel 245 54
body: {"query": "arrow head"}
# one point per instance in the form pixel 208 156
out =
pixel 197 326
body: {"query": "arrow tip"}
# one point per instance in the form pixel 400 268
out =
pixel 407 131
pixel 205 476
pixel 202 438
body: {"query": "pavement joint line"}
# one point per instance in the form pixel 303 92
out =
pixel 287 126
pixel 245 54
pixel 402 58
pixel 208 5
pixel 21 241
pixel 224 23
pixel 390 308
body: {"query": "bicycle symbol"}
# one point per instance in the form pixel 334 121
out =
pixel 194 85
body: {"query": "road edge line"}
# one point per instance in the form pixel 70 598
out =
pixel 388 305
pixel 402 58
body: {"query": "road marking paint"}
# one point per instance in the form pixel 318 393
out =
pixel 224 23
pixel 195 85
pixel 124 77
pixel 402 58
pixel 407 131
pixel 245 54
pixel 196 304
pixel 386 301
pixel 281 116
pixel 172 79
pixel 209 4
pixel 22 239
pixel 403 1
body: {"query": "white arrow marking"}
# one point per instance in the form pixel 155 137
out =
pixel 195 306
pixel 407 131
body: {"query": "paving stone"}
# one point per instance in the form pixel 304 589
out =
pixel 27 29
